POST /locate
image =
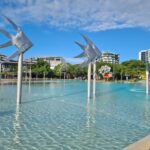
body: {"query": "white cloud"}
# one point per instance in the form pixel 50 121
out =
pixel 90 15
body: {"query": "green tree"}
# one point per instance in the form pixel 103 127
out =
pixel 71 71
pixel 57 71
pixel 41 68
pixel 134 68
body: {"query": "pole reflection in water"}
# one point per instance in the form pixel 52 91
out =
pixel 44 83
pixel 30 78
pixel 147 78
pixel 29 88
pixel 88 113
pixel 146 111
pixel 91 112
pixel 0 71
pixel 16 125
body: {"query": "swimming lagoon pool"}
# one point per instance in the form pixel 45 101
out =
pixel 56 115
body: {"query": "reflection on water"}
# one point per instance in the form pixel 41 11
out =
pixel 57 115
pixel 91 110
pixel 88 113
pixel 16 125
pixel 29 87
pixel 146 109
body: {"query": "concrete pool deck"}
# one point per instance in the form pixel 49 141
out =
pixel 143 144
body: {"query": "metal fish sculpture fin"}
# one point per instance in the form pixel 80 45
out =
pixel 13 24
pixel 9 43
pixel 7 34
pixel 97 51
pixel 80 55
pixel 88 41
pixel 85 63
pixel 92 45
pixel 82 46
pixel 15 54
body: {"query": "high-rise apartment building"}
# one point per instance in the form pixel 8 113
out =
pixel 144 55
pixel 110 58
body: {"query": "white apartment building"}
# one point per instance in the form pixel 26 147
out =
pixel 53 61
pixel 110 58
pixel 144 55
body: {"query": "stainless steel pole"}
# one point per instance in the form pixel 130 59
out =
pixel 30 74
pixel 19 82
pixel 0 71
pixel 89 80
pixel 94 78
pixel 147 78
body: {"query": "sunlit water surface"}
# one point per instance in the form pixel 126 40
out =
pixel 56 115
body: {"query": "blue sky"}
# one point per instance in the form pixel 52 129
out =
pixel 122 27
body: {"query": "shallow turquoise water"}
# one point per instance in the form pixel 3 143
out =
pixel 56 115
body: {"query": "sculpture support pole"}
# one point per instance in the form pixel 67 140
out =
pixel 22 43
pixel 19 82
pixel 30 74
pixel 147 78
pixel 94 78
pixel 89 80
pixel 0 71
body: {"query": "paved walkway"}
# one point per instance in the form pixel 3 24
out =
pixel 143 144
